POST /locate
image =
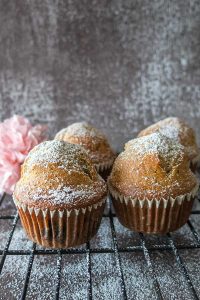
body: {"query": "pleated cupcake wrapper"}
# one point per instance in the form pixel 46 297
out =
pixel 135 201
pixel 104 166
pixel 61 228
pixel 153 216
pixel 61 212
pixel 196 161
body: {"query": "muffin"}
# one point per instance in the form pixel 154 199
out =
pixel 93 141
pixel 178 130
pixel 152 186
pixel 60 196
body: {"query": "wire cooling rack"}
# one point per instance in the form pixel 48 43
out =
pixel 116 264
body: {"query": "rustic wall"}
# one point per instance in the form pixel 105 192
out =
pixel 119 64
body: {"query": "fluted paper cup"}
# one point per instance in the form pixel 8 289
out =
pixel 153 216
pixel 61 228
pixel 195 163
pixel 104 169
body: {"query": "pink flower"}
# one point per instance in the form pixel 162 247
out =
pixel 17 138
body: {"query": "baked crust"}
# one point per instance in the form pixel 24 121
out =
pixel 176 129
pixel 90 138
pixel 152 167
pixel 59 175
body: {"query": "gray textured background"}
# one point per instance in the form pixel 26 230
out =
pixel 118 64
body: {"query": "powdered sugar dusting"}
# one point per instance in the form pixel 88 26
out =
pixel 43 278
pixel 170 131
pixel 74 283
pixel 178 130
pixel 139 285
pixel 8 206
pixel 103 238
pixel 172 287
pixel 125 237
pixel 155 143
pixel 192 262
pixel 171 127
pixel 105 277
pixel 66 194
pixel 62 153
pixel 81 129
pixel 57 190
pixel 19 240
pixel 5 228
pixel 12 276
pixel 141 160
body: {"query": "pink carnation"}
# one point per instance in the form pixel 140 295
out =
pixel 17 138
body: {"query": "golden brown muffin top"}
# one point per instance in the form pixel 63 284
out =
pixel 91 139
pixel 59 175
pixel 176 129
pixel 152 167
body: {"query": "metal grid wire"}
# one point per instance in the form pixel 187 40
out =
pixel 116 250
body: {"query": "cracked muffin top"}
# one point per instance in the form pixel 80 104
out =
pixel 152 167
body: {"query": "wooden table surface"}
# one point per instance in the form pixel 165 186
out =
pixel 118 64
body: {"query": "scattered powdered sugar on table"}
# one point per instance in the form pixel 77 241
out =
pixel 20 240
pixel 184 236
pixel 12 277
pixel 125 237
pixel 8 207
pixel 103 238
pixel 155 240
pixel 151 72
pixel 172 282
pixel 139 285
pixel 195 221
pixel 43 278
pixel 105 277
pixel 74 283
pixel 5 228
pixel 192 262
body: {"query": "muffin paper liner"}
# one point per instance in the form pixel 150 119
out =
pixel 195 162
pixel 153 216
pixel 104 166
pixel 61 228
pixel 104 169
